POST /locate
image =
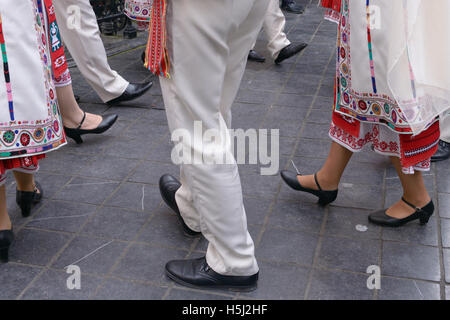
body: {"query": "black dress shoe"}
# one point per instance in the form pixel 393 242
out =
pixel 6 239
pixel 442 153
pixel 325 197
pixel 289 51
pixel 292 6
pixel 423 214
pixel 133 91
pixel 196 273
pixel 168 186
pixel 26 199
pixel 76 133
pixel 255 56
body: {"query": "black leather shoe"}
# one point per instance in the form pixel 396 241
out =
pixel 422 214
pixel 255 56
pixel 442 153
pixel 168 186
pixel 325 197
pixel 292 6
pixel 6 239
pixel 196 273
pixel 76 133
pixel 133 91
pixel 26 199
pixel 289 51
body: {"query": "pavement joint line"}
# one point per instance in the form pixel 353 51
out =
pixel 89 254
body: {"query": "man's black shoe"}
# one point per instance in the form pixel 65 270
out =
pixel 133 91
pixel 289 51
pixel 442 153
pixel 168 186
pixel 196 273
pixel 255 56
pixel 292 6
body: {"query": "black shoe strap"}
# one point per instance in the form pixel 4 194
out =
pixel 317 182
pixel 82 121
pixel 411 205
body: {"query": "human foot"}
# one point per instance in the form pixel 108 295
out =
pixel 402 213
pixel 292 180
pixel 90 122
pixel 311 183
pixel 401 209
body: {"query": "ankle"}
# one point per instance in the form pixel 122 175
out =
pixel 5 223
pixel 326 182
pixel 418 200
pixel 26 187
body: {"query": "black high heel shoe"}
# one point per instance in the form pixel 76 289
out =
pixel 423 214
pixel 325 197
pixel 6 239
pixel 76 133
pixel 26 199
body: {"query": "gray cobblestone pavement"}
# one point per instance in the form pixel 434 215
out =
pixel 102 207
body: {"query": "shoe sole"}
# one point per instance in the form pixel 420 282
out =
pixel 218 287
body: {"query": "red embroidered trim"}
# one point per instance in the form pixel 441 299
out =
pixel 156 54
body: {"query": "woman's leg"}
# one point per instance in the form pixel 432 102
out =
pixel 71 112
pixel 5 222
pixel 24 181
pixel 414 192
pixel 331 172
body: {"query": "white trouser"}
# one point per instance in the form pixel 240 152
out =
pixel 274 23
pixel 208 46
pixel 86 48
pixel 445 127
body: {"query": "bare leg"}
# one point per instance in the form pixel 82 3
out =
pixel 71 112
pixel 5 222
pixel 414 191
pixel 24 181
pixel 331 172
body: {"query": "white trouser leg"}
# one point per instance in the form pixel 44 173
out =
pixel 274 22
pixel 445 128
pixel 86 48
pixel 208 50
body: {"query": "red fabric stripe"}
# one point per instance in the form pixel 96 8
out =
pixel 410 143
pixel 23 162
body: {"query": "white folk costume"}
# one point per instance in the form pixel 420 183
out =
pixel 32 54
pixel 445 127
pixel 139 11
pixel 208 43
pixel 392 76
pixel 87 49
pixel 273 26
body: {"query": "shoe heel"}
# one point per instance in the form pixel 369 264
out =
pixel 77 139
pixel 4 254
pixel 25 207
pixel 327 197
pixel 73 134
pixel 424 219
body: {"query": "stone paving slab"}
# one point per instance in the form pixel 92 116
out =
pixel 102 209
